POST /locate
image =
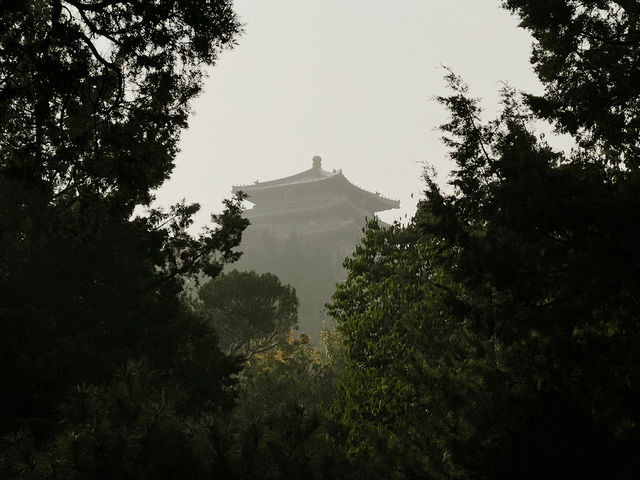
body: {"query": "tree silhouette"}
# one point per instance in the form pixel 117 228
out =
pixel 496 336
pixel 93 97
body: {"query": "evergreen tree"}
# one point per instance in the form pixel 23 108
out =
pixel 496 336
pixel 252 313
pixel 105 371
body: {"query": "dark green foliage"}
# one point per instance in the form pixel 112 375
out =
pixel 129 429
pixel 93 96
pixel 495 336
pixel 498 334
pixel 586 55
pixel 278 429
pixel 252 313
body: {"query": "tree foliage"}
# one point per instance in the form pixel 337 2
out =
pixel 277 430
pixel 586 55
pixel 497 335
pixel 93 96
pixel 252 313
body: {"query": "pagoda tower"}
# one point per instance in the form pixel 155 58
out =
pixel 302 228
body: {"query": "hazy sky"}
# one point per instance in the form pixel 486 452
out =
pixel 349 80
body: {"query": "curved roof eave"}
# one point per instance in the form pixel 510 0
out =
pixel 316 175
pixel 376 198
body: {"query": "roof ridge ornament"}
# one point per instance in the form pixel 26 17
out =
pixel 317 162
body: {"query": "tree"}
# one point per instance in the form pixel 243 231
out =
pixel 252 313
pixel 496 336
pixel 93 96
pixel 586 55
pixel 291 259
pixel 278 429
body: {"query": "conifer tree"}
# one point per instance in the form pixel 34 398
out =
pixel 497 335
pixel 105 371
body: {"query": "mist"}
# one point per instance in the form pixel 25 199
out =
pixel 319 240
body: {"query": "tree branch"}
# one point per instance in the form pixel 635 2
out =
pixel 96 7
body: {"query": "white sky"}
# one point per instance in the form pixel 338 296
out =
pixel 349 80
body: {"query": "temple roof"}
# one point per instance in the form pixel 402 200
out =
pixel 317 177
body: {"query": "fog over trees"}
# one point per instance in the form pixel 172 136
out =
pixel 495 335
pixel 301 228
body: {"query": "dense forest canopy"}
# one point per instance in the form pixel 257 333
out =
pixel 497 335
pixel 102 362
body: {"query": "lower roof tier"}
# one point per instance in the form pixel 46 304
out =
pixel 338 208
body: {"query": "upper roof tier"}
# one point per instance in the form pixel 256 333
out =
pixel 315 179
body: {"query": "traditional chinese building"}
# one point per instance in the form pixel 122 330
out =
pixel 302 228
